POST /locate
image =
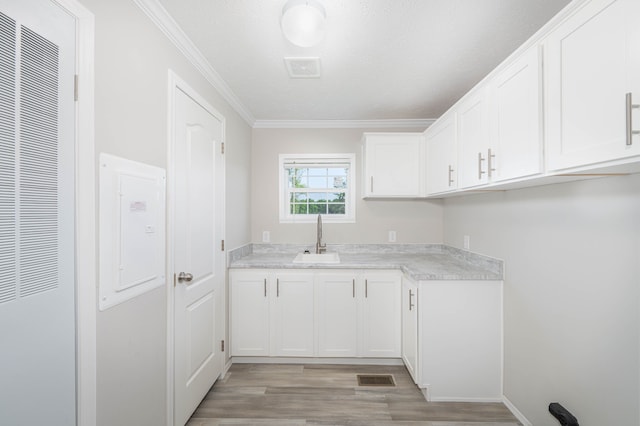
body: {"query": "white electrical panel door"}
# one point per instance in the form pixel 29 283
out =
pixel 132 224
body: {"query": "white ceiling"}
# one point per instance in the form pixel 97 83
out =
pixel 380 60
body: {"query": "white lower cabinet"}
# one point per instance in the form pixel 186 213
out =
pixel 342 313
pixel 410 327
pixel 250 313
pixel 292 315
pixel 460 340
pixel 337 308
pixel 380 323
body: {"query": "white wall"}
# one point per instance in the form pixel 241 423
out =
pixel 414 221
pixel 572 259
pixel 132 59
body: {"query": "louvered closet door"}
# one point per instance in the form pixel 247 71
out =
pixel 37 288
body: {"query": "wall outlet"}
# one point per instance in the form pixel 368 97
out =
pixel 466 242
pixel 392 236
pixel 266 236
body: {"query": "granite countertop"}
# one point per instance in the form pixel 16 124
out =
pixel 417 261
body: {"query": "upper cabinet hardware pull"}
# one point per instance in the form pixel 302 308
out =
pixel 353 286
pixel 265 287
pixel 371 184
pixel 278 287
pixel 366 288
pixel 490 157
pixel 630 107
pixel 450 172
pixel 480 171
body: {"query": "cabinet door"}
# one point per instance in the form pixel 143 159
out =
pixel 337 314
pixel 473 140
pixel 249 313
pixel 410 327
pixel 441 149
pixel 516 118
pixel 591 63
pixel 460 339
pixel 292 321
pixel 393 165
pixel 380 323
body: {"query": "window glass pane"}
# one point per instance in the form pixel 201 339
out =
pixel 318 208
pixel 298 209
pixel 317 196
pixel 318 182
pixel 337 197
pixel 336 209
pixel 299 196
pixel 338 172
pixel 339 182
pixel 297 178
pixel 317 171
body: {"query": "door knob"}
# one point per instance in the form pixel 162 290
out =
pixel 185 277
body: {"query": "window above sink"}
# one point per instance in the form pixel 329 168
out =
pixel 313 184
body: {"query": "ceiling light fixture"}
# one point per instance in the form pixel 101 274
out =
pixel 303 22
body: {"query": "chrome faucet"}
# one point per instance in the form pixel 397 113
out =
pixel 320 248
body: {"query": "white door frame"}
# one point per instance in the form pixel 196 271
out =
pixel 85 210
pixel 175 84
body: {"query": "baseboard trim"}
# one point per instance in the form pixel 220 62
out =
pixel 302 360
pixel 514 410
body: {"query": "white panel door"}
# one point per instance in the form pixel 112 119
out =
pixel 37 282
pixel 198 259
pixel 292 315
pixel 592 61
pixel 380 322
pixel 337 314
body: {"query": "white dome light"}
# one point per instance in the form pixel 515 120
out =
pixel 303 22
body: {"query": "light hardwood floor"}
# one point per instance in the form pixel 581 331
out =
pixel 287 395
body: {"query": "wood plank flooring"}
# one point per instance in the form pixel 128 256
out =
pixel 323 395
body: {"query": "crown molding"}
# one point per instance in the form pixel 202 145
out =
pixel 418 124
pixel 165 22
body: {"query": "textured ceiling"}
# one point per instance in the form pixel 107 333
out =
pixel 380 60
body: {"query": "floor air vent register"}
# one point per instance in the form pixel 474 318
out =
pixel 375 380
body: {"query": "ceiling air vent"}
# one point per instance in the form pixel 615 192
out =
pixel 303 67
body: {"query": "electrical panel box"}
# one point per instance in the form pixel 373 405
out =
pixel 132 229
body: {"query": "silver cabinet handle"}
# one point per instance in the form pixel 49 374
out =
pixel 411 305
pixel 185 277
pixel 278 287
pixel 366 288
pixel 265 287
pixel 372 184
pixel 490 157
pixel 480 171
pixel 353 286
pixel 630 106
pixel 450 173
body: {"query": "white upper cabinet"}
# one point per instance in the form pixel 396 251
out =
pixel 474 156
pixel 442 161
pixel 393 165
pixel 592 60
pixel 515 119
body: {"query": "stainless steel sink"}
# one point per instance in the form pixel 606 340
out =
pixel 317 258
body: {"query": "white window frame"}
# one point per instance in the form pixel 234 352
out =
pixel 318 159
